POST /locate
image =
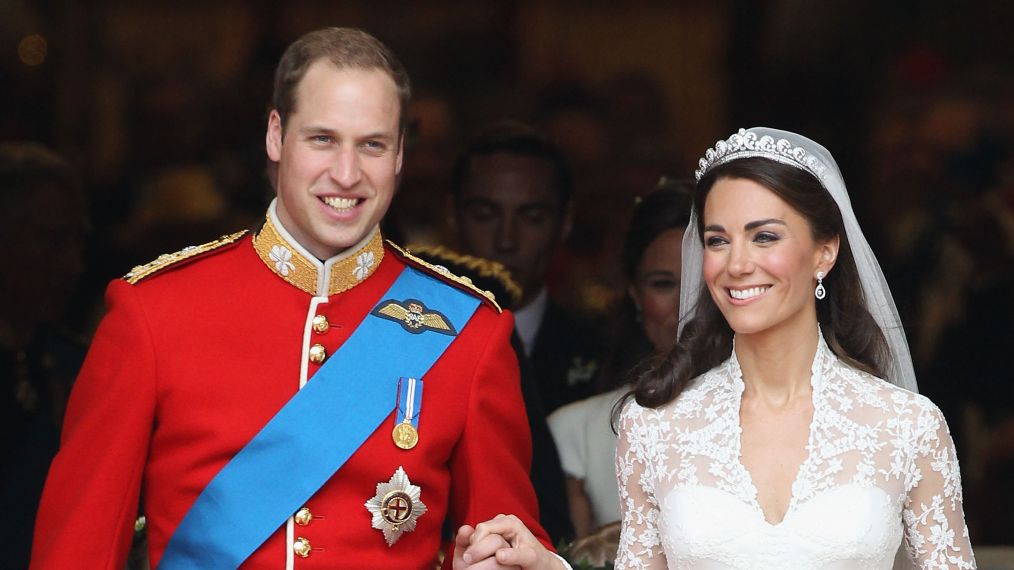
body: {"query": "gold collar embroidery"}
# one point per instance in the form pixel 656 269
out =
pixel 292 263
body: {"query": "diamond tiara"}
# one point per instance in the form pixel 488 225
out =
pixel 745 144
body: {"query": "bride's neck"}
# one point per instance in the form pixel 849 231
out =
pixel 776 364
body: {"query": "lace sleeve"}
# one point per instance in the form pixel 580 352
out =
pixel 935 531
pixel 640 546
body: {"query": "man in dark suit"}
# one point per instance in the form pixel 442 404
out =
pixel 43 221
pixel 512 202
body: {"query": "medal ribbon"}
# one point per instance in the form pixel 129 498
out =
pixel 318 429
pixel 409 392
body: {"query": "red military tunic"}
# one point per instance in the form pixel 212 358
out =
pixel 192 361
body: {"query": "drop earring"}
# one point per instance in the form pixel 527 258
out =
pixel 820 292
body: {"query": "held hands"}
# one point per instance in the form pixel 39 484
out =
pixel 501 542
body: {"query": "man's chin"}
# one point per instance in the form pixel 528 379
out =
pixel 340 243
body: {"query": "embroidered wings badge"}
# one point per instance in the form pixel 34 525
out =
pixel 414 317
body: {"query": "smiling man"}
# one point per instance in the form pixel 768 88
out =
pixel 261 397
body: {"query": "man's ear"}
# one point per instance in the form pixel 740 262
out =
pixel 568 221
pixel 827 253
pixel 632 292
pixel 273 137
pixel 401 154
pixel 451 216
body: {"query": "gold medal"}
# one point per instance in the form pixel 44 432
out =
pixel 404 435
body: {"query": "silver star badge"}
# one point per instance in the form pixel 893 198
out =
pixel 396 506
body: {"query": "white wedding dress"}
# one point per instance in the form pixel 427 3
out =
pixel 880 469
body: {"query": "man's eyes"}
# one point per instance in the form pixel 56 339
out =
pixel 375 146
pixel 535 215
pixel 370 146
pixel 481 211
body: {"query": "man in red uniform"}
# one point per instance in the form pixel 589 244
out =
pixel 263 392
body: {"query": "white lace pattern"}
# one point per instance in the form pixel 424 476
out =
pixel 880 468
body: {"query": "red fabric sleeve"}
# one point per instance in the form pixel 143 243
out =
pixel 86 516
pixel 490 465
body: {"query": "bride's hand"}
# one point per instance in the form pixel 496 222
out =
pixel 505 542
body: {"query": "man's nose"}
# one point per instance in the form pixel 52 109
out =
pixel 506 235
pixel 346 170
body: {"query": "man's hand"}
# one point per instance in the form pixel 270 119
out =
pixel 502 542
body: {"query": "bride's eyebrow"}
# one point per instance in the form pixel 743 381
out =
pixel 749 226
pixel 758 223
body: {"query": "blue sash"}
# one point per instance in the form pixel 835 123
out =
pixel 316 431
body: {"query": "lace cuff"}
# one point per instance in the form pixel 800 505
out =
pixel 640 544
pixel 935 531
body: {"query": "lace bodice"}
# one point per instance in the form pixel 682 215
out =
pixel 880 468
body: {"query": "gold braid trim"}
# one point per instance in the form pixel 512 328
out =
pixel 165 260
pixel 355 268
pixel 286 262
pixel 444 273
pixel 484 267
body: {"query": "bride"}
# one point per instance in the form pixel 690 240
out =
pixel 783 430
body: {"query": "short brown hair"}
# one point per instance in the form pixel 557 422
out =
pixel 345 48
pixel 516 139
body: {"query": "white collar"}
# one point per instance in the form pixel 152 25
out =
pixel 288 259
pixel 528 320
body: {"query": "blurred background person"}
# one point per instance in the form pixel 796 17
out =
pixel 43 223
pixel 512 202
pixel 644 330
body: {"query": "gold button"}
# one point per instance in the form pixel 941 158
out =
pixel 318 353
pixel 303 516
pixel 320 324
pixel 301 547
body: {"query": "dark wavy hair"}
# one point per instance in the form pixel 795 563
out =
pixel 706 339
pixel 631 353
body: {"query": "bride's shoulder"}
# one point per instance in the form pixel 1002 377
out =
pixel 702 393
pixel 879 393
pixel 632 411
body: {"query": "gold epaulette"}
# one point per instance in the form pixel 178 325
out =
pixel 446 275
pixel 165 260
pixel 480 266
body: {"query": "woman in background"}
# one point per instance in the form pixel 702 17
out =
pixel 645 330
